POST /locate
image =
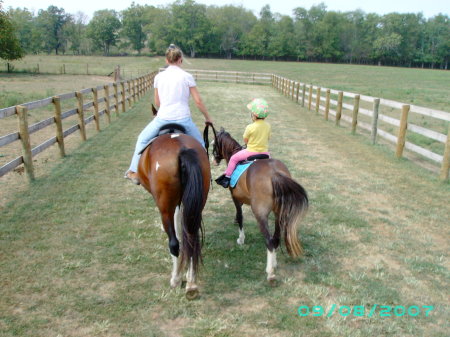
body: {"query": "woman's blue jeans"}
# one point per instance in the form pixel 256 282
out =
pixel 151 131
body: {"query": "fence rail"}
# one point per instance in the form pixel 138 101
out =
pixel 312 97
pixel 122 92
pixel 229 76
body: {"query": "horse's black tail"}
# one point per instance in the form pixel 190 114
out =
pixel 193 203
pixel 291 202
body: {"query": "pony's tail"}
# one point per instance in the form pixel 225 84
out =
pixel 192 201
pixel 291 202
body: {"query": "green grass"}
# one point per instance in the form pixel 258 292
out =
pixel 82 253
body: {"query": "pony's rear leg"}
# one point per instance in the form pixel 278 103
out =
pixel 175 280
pixel 238 221
pixel 272 253
pixel 262 216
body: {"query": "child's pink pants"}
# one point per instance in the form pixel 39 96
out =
pixel 237 157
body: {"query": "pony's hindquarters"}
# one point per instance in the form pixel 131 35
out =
pixel 291 204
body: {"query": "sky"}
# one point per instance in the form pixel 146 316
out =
pixel 428 8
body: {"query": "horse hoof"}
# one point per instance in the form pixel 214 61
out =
pixel 240 242
pixel 174 283
pixel 192 294
pixel 272 281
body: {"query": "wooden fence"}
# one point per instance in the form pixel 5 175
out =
pixel 365 112
pixel 230 76
pixel 71 69
pixel 357 110
pixel 115 97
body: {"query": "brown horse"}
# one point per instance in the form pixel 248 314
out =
pixel 267 187
pixel 175 169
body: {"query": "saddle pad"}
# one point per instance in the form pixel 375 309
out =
pixel 238 172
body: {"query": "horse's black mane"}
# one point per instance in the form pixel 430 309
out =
pixel 228 144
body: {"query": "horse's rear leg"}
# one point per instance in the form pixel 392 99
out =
pixel 238 221
pixel 173 230
pixel 191 283
pixel 262 216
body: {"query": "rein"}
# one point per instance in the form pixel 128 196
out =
pixel 206 136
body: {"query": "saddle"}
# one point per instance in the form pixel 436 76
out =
pixel 255 157
pixel 166 129
pixel 242 166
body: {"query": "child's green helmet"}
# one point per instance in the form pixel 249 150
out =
pixel 259 107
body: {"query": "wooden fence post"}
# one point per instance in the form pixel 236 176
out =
pixel 310 97
pixel 122 88
pixel 327 104
pixel 303 94
pixel 138 83
pixel 22 113
pixel 298 91
pixel 339 108
pixel 96 116
pixel 59 129
pixel 355 114
pixel 446 160
pixel 318 100
pixel 293 90
pixel 81 115
pixel 402 131
pixel 108 111
pixel 116 98
pixel 134 90
pixel 129 93
pixel 376 106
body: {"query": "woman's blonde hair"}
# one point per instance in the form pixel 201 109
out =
pixel 173 54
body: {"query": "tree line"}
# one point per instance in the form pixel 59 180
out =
pixel 314 35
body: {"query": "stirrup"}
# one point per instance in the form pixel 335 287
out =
pixel 223 181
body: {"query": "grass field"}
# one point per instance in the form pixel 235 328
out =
pixel 82 253
pixel 422 87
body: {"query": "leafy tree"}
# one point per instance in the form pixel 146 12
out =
pixel 387 47
pixel 158 28
pixel 24 24
pixel 306 22
pixel 103 29
pixel 327 35
pixel 75 31
pixel 133 26
pixel 267 21
pixel 252 44
pixel 282 40
pixel 51 24
pixel 10 48
pixel 437 41
pixel 190 26
pixel 231 23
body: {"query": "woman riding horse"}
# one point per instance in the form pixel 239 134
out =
pixel 173 87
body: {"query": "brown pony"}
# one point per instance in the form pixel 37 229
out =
pixel 175 169
pixel 267 187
